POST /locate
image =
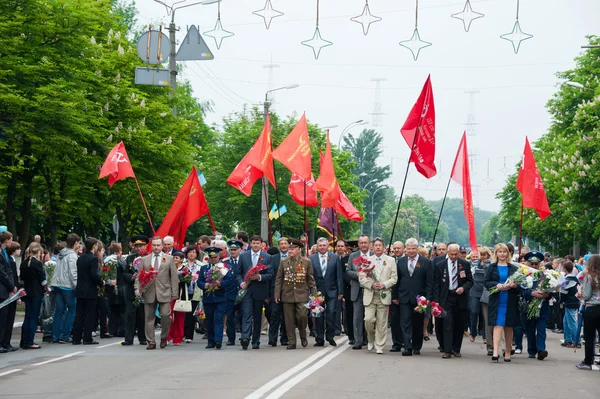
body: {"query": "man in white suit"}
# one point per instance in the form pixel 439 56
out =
pixel 377 295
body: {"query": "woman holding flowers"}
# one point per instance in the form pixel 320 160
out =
pixel 591 318
pixel 185 279
pixel 503 300
pixel 193 263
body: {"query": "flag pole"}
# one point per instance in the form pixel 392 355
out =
pixel 212 224
pixel 145 207
pixel 521 228
pixel 440 216
pixel 305 218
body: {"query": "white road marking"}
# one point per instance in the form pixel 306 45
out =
pixel 297 379
pixel 260 392
pixel 18 324
pixel 58 358
pixel 10 372
pixel 106 346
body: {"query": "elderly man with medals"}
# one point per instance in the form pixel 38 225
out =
pixel 293 284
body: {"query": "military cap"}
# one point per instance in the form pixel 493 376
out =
pixel 294 243
pixel 140 240
pixel 212 252
pixel 235 244
pixel 534 256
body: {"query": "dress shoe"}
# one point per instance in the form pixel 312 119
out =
pixel 273 343
pixel 218 345
pixel 446 356
pixel 3 350
pixel 332 342
pixel 210 346
pixel 407 353
pixel 143 342
pixel 103 336
pixel 319 344
pixel 304 342
pixel 395 349
pixel 66 341
pixel 126 343
pixel 357 346
pixel 365 343
pixel 11 348
pixel 229 343
pixel 151 347
pixel 370 346
pixel 456 354
pixel 380 351
pixel 74 343
pixel 91 343
pixel 351 342
pixel 542 355
pixel 244 343
pixel 531 356
pixel 255 346
pixel 290 347
pixel 47 339
pixel 163 343
pixel 284 343
pixel 416 352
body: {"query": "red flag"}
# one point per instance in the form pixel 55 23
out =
pixel 117 165
pixel 294 151
pixel 530 184
pixel 189 205
pixel 244 176
pixel 422 119
pixel 345 208
pixel 262 153
pixel 461 175
pixel 327 182
pixel 296 190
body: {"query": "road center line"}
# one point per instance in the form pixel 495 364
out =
pixel 297 379
pixel 106 346
pixel 10 372
pixel 260 392
pixel 59 358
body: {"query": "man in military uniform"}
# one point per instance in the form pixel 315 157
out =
pixel 536 327
pixel 134 313
pixel 235 248
pixel 293 284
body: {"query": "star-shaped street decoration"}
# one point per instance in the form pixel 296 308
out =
pixel 467 15
pixel 366 18
pixel 317 43
pixel 268 13
pixel 516 36
pixel 415 44
pixel 218 33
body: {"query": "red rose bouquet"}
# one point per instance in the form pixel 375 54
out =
pixel 243 291
pixel 146 277
pixel 365 267
pixel 429 309
pixel 185 276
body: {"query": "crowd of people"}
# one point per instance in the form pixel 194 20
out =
pixel 234 291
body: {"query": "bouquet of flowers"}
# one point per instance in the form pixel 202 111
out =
pixel 422 306
pixel 137 263
pixel 432 309
pixel 315 304
pixel 242 292
pixel 365 266
pixel 186 276
pixel 199 312
pixel 436 309
pixel 146 277
pixel 21 293
pixel 214 274
pixel 109 272
pixel 49 269
pixel 523 276
pixel 549 281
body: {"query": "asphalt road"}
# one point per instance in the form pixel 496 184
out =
pixel 191 371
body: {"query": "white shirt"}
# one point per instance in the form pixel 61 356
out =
pixel 450 275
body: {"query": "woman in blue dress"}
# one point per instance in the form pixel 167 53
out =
pixel 503 306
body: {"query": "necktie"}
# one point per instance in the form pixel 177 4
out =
pixel 284 256
pixel 156 263
pixel 323 265
pixel 234 262
pixel 454 276
pixel 411 267
pixel 254 259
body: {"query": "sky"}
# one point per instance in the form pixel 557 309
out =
pixel 475 75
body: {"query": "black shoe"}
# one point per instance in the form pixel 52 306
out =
pixel 66 341
pixel 407 353
pixel 273 343
pixel 229 343
pixel 255 346
pixel 126 343
pixel 365 343
pixel 531 356
pixel 205 336
pixel 416 352
pixel 244 343
pixel 210 346
pixel 48 340
pixel 103 336
pixel 2 350
pixel 495 358
pixel 144 343
pixel 351 342
pixel 304 342
pixel 76 343
pixel 218 345
pixel 288 347
pixel 507 360
pixel 357 346
pixel 395 349
pixel 542 355
pixel 91 343
pixel 284 343
pixel 11 348
pixel 332 342
pixel 319 344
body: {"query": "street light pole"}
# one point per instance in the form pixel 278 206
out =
pixel 264 201
pixel 359 122
pixel 372 208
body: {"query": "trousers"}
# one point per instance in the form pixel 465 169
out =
pixel 164 309
pixel 376 322
pixel 295 314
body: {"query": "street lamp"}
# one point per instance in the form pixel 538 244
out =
pixel 264 213
pixel 591 46
pixel 372 207
pixel 350 126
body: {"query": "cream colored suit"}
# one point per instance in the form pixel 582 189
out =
pixel 161 290
pixel 376 306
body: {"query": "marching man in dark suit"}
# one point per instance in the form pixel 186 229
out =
pixel 258 290
pixel 293 284
pixel 134 313
pixel 277 324
pixel 327 269
pixel 356 292
pixel 415 278
pixel 453 280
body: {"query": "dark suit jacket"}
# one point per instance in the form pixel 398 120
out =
pixel 347 283
pixel 333 283
pixel 233 288
pixel 128 280
pixel 7 280
pixel 420 284
pixel 33 275
pixel 88 277
pixel 442 282
pixel 258 290
pixel 275 261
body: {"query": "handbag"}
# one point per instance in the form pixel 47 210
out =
pixel 181 305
